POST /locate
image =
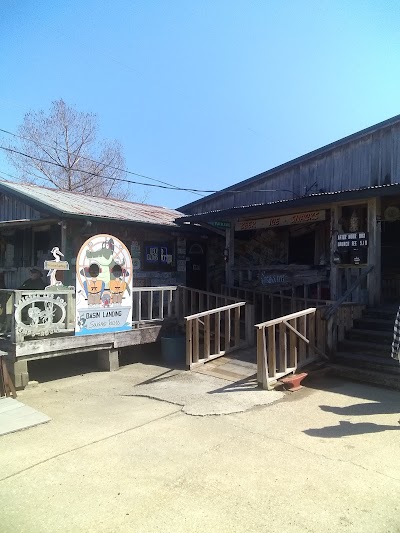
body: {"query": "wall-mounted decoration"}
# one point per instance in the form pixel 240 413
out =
pixel 103 286
pixel 40 315
pixel 54 266
pixel 135 253
pixel 158 256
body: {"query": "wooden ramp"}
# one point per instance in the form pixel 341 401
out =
pixel 236 366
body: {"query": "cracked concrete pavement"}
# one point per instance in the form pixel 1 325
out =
pixel 323 459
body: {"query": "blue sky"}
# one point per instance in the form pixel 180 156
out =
pixel 204 93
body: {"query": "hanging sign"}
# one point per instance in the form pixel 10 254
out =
pixel 103 286
pixel 220 224
pixel 352 240
pixel 283 220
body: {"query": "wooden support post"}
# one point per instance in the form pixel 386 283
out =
pixel 283 351
pixel 230 246
pixel 227 329
pixel 196 340
pixel 292 362
pixel 271 351
pixel 237 326
pixel 217 330
pixel 262 366
pixel 374 251
pixel 108 359
pixel 189 343
pixel 207 337
pixel 249 318
pixel 335 216
pixel 6 385
pixel 19 373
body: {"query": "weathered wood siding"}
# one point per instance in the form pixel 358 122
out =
pixel 13 209
pixel 369 160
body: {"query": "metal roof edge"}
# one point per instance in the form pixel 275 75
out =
pixel 36 204
pixel 305 201
pixel 309 155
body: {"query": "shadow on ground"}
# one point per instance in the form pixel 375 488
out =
pixel 345 429
pixel 44 370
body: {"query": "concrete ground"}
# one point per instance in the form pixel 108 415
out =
pixel 325 458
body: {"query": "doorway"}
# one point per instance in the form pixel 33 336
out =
pixel 390 260
pixel 196 265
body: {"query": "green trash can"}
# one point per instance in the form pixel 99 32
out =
pixel 173 349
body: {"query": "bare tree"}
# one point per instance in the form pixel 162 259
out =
pixel 61 149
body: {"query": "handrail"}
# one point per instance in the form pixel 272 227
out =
pixel 210 294
pixel 281 319
pixel 215 310
pixel 333 308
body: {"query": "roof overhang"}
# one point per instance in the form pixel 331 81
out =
pixel 297 203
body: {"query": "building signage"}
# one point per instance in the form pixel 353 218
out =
pixel 283 220
pixel 103 286
pixel 220 224
pixel 352 240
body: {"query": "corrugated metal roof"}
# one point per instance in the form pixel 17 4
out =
pixel 302 159
pixel 65 203
pixel 304 201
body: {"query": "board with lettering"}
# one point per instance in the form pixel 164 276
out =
pixel 103 286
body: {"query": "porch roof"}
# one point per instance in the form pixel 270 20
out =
pixel 303 202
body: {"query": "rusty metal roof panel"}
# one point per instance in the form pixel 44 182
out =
pixel 66 203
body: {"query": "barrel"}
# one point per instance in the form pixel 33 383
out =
pixel 173 349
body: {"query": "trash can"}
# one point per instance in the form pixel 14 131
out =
pixel 173 349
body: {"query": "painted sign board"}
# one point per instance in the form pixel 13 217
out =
pixel 352 240
pixel 283 220
pixel 103 286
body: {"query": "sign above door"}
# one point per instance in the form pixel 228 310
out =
pixel 283 220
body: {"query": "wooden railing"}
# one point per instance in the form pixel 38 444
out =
pixel 339 323
pixel 153 303
pixel 287 343
pixel 268 306
pixel 12 300
pixel 215 332
pixel 352 281
pixel 189 301
pixel 347 295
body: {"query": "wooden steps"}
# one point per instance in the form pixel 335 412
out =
pixel 365 353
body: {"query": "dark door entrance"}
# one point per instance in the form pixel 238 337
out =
pixel 390 258
pixel 196 266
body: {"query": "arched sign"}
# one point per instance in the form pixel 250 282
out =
pixel 103 286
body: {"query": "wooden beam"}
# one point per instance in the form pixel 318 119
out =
pixel 374 250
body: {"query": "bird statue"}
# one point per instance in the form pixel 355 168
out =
pixel 57 254
pixel 61 265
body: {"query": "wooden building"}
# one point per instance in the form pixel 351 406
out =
pixel 324 226
pixel 34 220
